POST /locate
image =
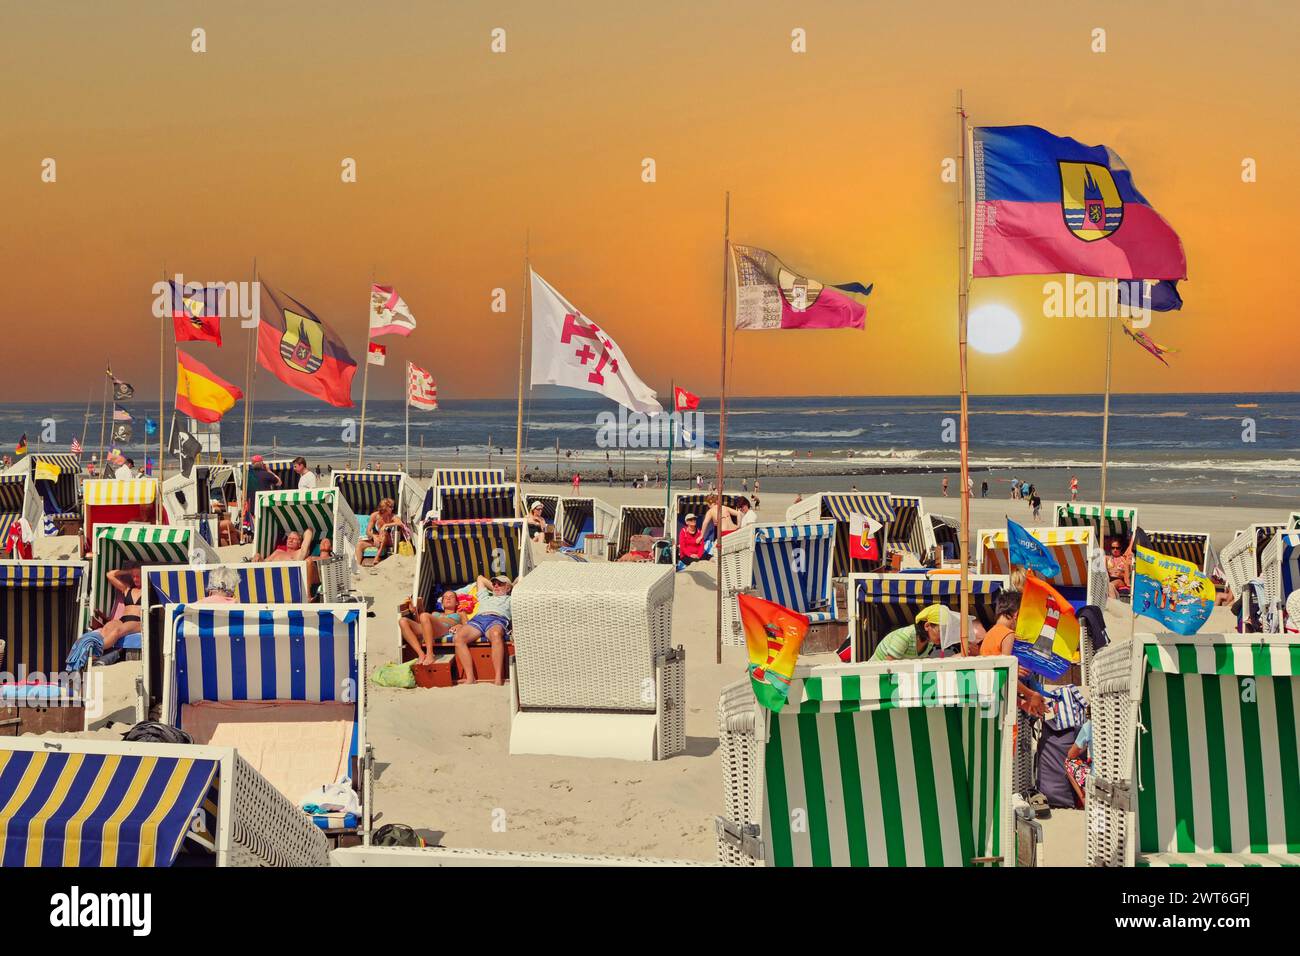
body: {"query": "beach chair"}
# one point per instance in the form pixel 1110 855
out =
pixel 1293 521
pixel 840 508
pixel 910 530
pixel 696 503
pixel 284 686
pixel 273 582
pixel 1119 521
pixel 111 803
pixel 114 501
pixel 946 532
pixel 1192 546
pixel 1083 569
pixel 324 510
pixel 1242 558
pixel 880 603
pixel 1280 569
pixel 462 478
pixel 580 517
pixel 40 611
pixel 363 490
pixel 116 546
pixel 18 500
pixel 789 564
pixel 638 520
pixel 595 673
pixel 59 497
pixel 1194 752
pixel 897 764
pixel 477 502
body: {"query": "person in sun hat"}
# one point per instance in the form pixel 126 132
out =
pixel 915 639
pixel 536 521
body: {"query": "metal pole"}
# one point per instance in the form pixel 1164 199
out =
pixel 365 380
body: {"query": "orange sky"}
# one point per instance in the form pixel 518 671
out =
pixel 204 161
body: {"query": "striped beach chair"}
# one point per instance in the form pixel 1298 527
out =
pixel 19 500
pixel 1242 559
pixel 286 682
pixel 1083 570
pixel 363 490
pixel 96 803
pixel 1280 569
pixel 638 519
pixel 323 510
pixel 118 546
pixel 1119 520
pixel 1193 546
pixel 911 529
pixel 879 603
pixel 786 563
pixel 60 497
pixel 117 501
pixel 872 765
pixel 477 502
pixel 696 503
pixel 580 517
pixel 1195 760
pixel 40 611
pixel 278 582
pixel 839 508
pixel 466 477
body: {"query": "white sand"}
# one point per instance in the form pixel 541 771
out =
pixel 442 757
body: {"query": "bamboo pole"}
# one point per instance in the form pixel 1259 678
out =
pixel 1105 425
pixel 162 391
pixel 523 326
pixel 722 422
pixel 406 406
pixel 103 412
pixel 668 483
pixel 963 300
pixel 250 378
pixel 365 380
pixel 85 422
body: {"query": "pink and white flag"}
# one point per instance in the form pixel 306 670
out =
pixel 421 391
pixel 570 349
pixel 376 353
pixel 388 313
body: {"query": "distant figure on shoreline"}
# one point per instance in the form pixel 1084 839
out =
pixel 945 487
pixel 577 482
pixel 1074 487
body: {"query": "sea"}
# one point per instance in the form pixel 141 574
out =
pixel 1220 448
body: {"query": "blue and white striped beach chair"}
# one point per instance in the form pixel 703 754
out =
pixel 840 508
pixel 306 654
pixel 789 564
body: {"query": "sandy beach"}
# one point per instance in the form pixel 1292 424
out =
pixel 442 755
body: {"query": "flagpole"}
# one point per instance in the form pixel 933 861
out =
pixel 250 370
pixel 668 495
pixel 103 411
pixel 162 392
pixel 1105 427
pixel 85 422
pixel 365 379
pixel 523 326
pixel 722 420
pixel 963 298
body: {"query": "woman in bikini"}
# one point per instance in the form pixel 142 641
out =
pixel 127 583
pixel 421 631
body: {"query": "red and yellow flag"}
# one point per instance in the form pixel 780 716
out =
pixel 773 635
pixel 1047 632
pixel 200 392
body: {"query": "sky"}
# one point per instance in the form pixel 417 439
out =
pixel 199 163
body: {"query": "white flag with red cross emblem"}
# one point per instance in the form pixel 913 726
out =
pixel 570 349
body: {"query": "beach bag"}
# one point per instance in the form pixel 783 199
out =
pixel 404 548
pixel 332 798
pixel 1064 707
pixel 397 834
pixel 394 675
pixel 1053 783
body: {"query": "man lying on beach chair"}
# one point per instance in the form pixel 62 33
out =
pixel 381 533
pixel 107 633
pixel 420 630
pixel 296 547
pixel 491 620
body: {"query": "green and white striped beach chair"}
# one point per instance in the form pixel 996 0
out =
pixel 1195 753
pixel 899 764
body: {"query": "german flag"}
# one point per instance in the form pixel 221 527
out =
pixel 302 351
pixel 200 392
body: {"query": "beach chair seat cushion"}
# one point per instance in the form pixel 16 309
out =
pixel 1218 859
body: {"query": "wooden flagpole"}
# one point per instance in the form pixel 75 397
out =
pixel 406 405
pixel 85 422
pixel 103 412
pixel 523 326
pixel 722 422
pixel 668 483
pixel 162 390
pixel 963 299
pixel 365 380
pixel 1105 426
pixel 250 377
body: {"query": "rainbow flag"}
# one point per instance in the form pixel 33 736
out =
pixel 773 635
pixel 1171 591
pixel 1047 632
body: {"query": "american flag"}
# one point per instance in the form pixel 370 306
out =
pixel 421 392
pixel 76 446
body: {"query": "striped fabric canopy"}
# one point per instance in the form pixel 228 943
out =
pixel 38 615
pixel 83 809
pixel 840 508
pixel 225 652
pixel 1069 546
pixel 634 519
pixel 363 490
pixel 891 769
pixel 578 517
pixel 279 512
pixel 550 505
pixel 886 602
pixel 115 491
pixel 454 555
pixel 905 530
pixel 119 545
pixel 481 501
pixel 1119 521
pixel 697 503
pixel 63 490
pixel 463 477
pixel 792 566
pixel 280 582
pixel 1290 565
pixel 1218 766
pixel 1186 545
pixel 13 493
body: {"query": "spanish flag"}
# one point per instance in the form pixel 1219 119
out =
pixel 200 392
pixel 773 635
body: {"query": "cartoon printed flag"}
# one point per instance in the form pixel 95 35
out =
pixel 863 543
pixel 302 351
pixel 421 390
pixel 1046 203
pixel 1047 632
pixel 196 312
pixel 1028 552
pixel 389 315
pixel 770 296
pixel 376 353
pixel 1171 591
pixel 773 635
pixel 200 392
pixel 569 349
pixel 684 401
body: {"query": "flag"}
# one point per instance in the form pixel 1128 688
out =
pixel 684 401
pixel 1144 340
pixel 1171 591
pixel 1159 296
pixel 421 392
pixel 185 446
pixel 121 390
pixel 569 349
pixel 770 296
pixel 388 313
pixel 196 312
pixel 863 543
pixel 1047 203
pixel 150 426
pixel 1028 552
pixel 76 446
pixel 302 351
pixel 376 353
pixel 200 392
pixel 1047 632
pixel 121 431
pixel 773 635
pixel 21 447
pixel 121 414
pixel 46 471
pixel 148 465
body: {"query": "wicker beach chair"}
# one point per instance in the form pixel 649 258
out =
pixel 898 764
pixel 116 546
pixel 1280 569
pixel 1242 558
pixel 476 502
pixel 285 682
pixel 636 520
pixel 1119 521
pixel 325 511
pixel 595 673
pixel 786 563
pixel 100 803
pixel 1194 752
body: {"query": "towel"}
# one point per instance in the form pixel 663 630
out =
pixel 90 644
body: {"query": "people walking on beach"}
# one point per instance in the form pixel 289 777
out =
pixel 970 487
pixel 744 485
pixel 1015 488
pixel 1036 503
pixel 306 477
pixel 984 489
pixel 755 487
pixel 609 477
pixel 699 482
pixel 945 487
pixel 1074 487
pixel 1025 489
pixel 577 482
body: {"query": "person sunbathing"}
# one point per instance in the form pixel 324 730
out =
pixel 296 547
pixel 1117 570
pixel 490 620
pixel 424 629
pixel 109 633
pixel 313 566
pixel 226 533
pixel 690 543
pixel 535 521
pixel 384 524
pixel 727 523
